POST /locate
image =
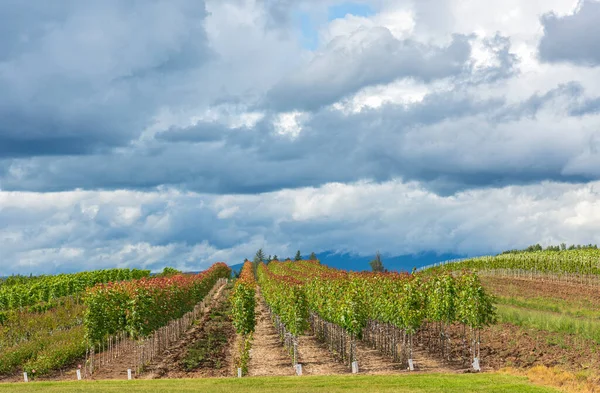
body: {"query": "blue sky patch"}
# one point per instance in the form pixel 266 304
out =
pixel 309 34
pixel 357 9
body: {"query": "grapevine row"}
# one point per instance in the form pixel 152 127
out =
pixel 243 301
pixel 358 301
pixel 139 307
pixel 584 262
pixel 243 305
pixel 48 288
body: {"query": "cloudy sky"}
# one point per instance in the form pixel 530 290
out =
pixel 181 132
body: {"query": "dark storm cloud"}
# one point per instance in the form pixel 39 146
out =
pixel 200 132
pixel 75 96
pixel 76 76
pixel 572 38
pixel 450 141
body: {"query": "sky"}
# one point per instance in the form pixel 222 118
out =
pixel 184 132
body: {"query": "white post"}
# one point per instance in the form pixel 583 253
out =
pixel 355 367
pixel 25 377
pixel 239 372
pixel 128 373
pixel 298 368
pixel 411 365
pixel 79 375
pixel 476 366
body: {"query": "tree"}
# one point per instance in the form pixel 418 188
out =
pixel 298 256
pixel 169 271
pixel 275 257
pixel 258 258
pixel 377 264
pixel 313 256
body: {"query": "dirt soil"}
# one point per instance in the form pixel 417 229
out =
pixel 372 362
pixel 507 345
pixel 170 365
pixel 316 359
pixel 267 355
pixel 116 369
pixel 503 345
pixel 527 288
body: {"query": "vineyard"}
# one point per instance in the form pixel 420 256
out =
pixel 51 322
pixel 566 263
pixel 243 304
pixel 277 319
pixel 387 310
pixel 41 292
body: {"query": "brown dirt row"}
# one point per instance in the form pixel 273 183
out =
pixel 316 359
pixel 170 364
pixel 521 287
pixel 506 345
pixel 116 369
pixel 267 355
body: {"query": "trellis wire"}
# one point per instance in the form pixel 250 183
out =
pixel 289 341
pixel 339 342
pixel 148 348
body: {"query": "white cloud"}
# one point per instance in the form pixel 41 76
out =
pixel 337 148
pixel 289 123
pixel 395 217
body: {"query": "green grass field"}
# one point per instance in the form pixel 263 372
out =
pixel 404 383
pixel 550 322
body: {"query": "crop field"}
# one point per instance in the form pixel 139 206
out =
pixel 582 265
pixel 300 326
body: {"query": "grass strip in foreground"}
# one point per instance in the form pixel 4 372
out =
pixel 447 383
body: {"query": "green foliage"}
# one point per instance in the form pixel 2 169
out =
pixel 243 301
pixel 258 259
pixel 313 256
pixel 44 352
pixel 298 256
pixel 47 288
pixel 583 261
pixel 286 298
pixel 63 349
pixel 142 306
pixel 169 271
pixel 351 299
pixel 474 305
pixel 208 350
pixel 561 247
pixel 376 264
pixel 18 327
pixel 244 353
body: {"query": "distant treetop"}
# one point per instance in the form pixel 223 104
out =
pixel 561 247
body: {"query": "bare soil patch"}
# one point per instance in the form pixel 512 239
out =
pixel 205 351
pixel 521 287
pixel 267 355
pixel 316 359
pixel 117 367
pixel 506 345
